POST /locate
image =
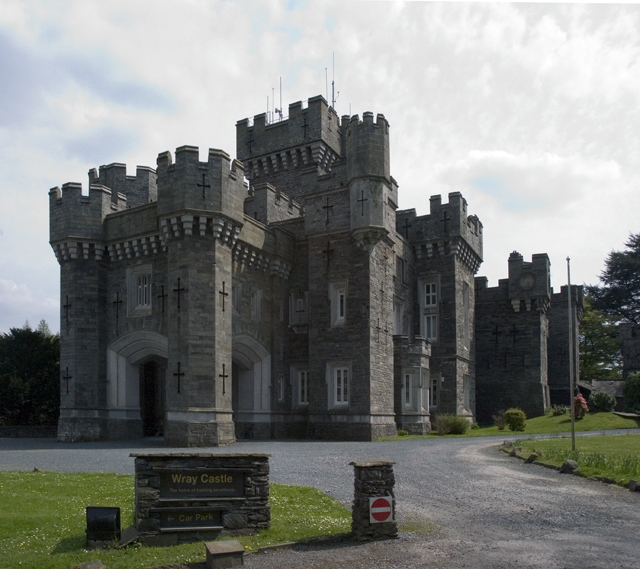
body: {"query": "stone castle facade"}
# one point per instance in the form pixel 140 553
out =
pixel 281 294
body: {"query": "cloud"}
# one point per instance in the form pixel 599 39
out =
pixel 531 182
pixel 18 304
pixel 101 145
pixel 35 78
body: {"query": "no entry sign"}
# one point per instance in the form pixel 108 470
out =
pixel 380 509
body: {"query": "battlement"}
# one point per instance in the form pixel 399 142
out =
pixel 367 146
pixel 187 184
pixel 444 221
pixel 267 204
pixel 316 122
pixel 139 189
pixel 74 216
pixel 529 279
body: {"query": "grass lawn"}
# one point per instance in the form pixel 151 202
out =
pixel 43 521
pixel 546 424
pixel 616 457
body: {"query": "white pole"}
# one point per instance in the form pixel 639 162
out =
pixel 571 354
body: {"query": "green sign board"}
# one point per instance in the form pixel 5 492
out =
pixel 189 484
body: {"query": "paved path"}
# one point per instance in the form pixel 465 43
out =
pixel 491 511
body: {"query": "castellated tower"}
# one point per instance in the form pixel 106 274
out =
pixel 145 335
pixel 200 212
pixel 512 327
pixel 78 241
pixel 446 252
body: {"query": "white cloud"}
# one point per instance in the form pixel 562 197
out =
pixel 18 304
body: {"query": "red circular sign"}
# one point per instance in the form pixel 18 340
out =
pixel 381 509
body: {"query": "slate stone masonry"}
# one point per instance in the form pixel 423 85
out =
pixel 162 519
pixel 372 478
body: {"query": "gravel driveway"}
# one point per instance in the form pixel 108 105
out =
pixel 490 511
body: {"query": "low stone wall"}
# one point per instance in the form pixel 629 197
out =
pixel 186 497
pixel 21 432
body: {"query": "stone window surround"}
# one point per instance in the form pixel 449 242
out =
pixel 429 298
pixel 333 369
pixel 133 274
pixel 338 298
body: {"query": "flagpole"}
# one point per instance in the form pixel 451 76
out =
pixel 571 354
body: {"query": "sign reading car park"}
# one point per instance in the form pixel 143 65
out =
pixel 380 510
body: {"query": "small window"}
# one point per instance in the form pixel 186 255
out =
pixel 280 388
pixel 303 387
pixel 341 299
pixel 143 289
pixel 256 304
pixel 433 396
pixel 338 298
pixel 341 385
pixel 408 399
pixel 139 293
pixel 430 294
pixel 431 326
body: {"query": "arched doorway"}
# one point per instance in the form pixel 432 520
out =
pixel 251 381
pixel 136 369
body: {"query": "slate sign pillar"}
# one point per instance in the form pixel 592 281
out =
pixel 186 497
pixel 373 478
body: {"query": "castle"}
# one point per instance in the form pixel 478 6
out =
pixel 283 294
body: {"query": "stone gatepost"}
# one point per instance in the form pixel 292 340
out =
pixel 374 504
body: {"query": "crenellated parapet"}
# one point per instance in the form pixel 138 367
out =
pixel 309 137
pixel 373 193
pixel 267 204
pixel 200 198
pixel 76 220
pixel 139 189
pixel 367 145
pixel 448 229
pixel 530 283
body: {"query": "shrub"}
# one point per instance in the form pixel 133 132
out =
pixel 499 420
pixel 402 433
pixel 451 425
pixel 515 419
pixel 601 401
pixel 474 426
pixel 580 407
pixel 559 410
pixel 632 391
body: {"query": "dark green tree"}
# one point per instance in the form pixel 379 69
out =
pixel 29 376
pixel 618 294
pixel 600 357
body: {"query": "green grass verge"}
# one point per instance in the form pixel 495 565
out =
pixel 43 520
pixel 545 424
pixel 616 457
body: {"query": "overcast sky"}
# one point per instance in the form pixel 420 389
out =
pixel 529 110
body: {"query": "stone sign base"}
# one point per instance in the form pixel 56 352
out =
pixel 188 497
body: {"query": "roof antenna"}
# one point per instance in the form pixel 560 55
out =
pixel 279 111
pixel 326 83
pixel 334 98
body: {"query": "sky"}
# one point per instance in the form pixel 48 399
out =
pixel 531 111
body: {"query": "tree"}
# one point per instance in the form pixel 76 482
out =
pixel 618 295
pixel 600 357
pixel 29 376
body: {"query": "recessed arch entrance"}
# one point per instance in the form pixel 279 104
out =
pixel 251 384
pixel 136 378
